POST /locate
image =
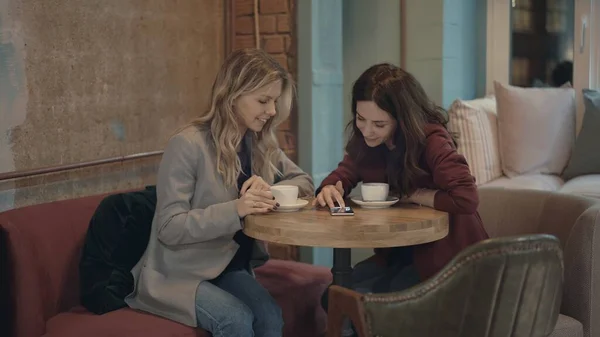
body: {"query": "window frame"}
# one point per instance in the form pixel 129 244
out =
pixel 595 45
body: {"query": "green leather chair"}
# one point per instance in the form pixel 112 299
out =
pixel 509 287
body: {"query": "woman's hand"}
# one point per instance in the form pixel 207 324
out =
pixel 330 194
pixel 255 201
pixel 254 183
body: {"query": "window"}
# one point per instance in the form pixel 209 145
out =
pixel 541 40
pixel 528 39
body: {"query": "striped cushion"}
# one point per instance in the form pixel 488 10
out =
pixel 474 124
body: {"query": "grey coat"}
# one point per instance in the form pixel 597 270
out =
pixel 193 227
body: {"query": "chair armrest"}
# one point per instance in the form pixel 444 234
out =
pixel 344 303
pixel 581 293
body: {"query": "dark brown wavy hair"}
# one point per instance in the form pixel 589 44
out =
pixel 398 93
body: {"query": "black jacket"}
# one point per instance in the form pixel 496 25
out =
pixel 115 241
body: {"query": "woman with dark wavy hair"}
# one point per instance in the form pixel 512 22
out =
pixel 399 136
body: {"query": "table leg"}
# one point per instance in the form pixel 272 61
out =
pixel 342 276
pixel 342 267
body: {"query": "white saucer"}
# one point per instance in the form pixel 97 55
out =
pixel 375 204
pixel 300 203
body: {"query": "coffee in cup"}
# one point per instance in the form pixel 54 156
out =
pixel 285 195
pixel 374 191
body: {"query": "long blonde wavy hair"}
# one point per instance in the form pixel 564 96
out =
pixel 243 72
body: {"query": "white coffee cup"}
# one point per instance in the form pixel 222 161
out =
pixel 285 195
pixel 374 191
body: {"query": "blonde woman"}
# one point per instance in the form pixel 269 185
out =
pixel 197 268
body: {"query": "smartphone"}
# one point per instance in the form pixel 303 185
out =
pixel 341 211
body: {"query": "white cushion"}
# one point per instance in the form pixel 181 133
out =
pixel 536 129
pixel 544 182
pixel 474 125
pixel 587 185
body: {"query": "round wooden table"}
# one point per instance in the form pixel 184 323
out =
pixel 399 225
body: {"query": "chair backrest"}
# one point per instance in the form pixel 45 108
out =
pixel 42 244
pixel 500 287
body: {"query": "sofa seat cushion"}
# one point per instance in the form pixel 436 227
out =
pixel 587 186
pixel 544 182
pixel 567 327
pixel 297 287
pixel 124 322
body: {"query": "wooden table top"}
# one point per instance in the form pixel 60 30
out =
pixel 399 225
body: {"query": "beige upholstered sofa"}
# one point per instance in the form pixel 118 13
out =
pixel 525 138
pixel 575 221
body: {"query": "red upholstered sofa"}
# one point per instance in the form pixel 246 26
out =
pixel 39 288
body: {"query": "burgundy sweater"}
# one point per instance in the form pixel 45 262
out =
pixel 447 172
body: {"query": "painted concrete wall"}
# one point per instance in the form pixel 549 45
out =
pixel 87 80
pixel 371 35
pixel 480 46
pixel 446 47
pixel 459 62
pixel 424 44
pixel 320 85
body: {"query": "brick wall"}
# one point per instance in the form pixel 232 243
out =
pixel 276 20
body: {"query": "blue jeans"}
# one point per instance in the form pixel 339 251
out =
pixel 235 304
